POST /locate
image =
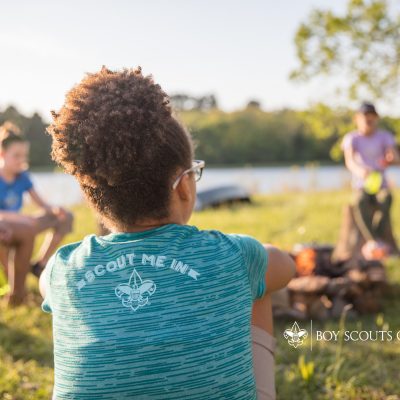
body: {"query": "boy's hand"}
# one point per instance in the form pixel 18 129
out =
pixel 389 157
pixel 384 162
pixel 59 212
pixel 366 172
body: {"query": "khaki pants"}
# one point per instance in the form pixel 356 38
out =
pixel 264 345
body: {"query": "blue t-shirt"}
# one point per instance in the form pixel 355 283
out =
pixel 158 314
pixel 11 193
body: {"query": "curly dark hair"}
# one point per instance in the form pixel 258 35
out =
pixel 117 135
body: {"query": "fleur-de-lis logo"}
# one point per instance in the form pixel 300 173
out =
pixel 295 336
pixel 136 293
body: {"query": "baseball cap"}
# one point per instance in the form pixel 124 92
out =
pixel 367 108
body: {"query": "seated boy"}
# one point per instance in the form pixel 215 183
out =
pixel 22 229
pixel 157 309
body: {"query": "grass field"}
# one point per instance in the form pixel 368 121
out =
pixel 358 370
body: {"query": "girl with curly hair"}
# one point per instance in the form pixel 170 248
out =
pixel 157 309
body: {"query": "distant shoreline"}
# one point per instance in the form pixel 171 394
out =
pixel 305 164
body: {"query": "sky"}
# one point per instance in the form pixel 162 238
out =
pixel 238 50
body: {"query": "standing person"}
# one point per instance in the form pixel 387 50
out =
pixel 157 309
pixel 16 250
pixel 368 152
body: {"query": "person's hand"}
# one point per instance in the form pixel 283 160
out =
pixel 389 157
pixel 384 162
pixel 59 212
pixel 365 172
pixel 375 250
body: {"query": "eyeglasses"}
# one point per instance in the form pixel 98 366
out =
pixel 197 168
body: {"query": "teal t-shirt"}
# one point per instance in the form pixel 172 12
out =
pixel 158 314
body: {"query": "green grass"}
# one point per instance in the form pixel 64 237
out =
pixel 367 370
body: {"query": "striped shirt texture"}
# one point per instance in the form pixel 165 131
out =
pixel 157 314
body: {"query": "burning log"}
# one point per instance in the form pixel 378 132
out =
pixel 322 288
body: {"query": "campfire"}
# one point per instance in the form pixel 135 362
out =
pixel 322 287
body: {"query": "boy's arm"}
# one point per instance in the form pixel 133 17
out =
pixel 60 212
pixel 281 268
pixel 356 168
pixel 37 199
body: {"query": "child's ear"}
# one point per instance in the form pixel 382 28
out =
pixel 184 188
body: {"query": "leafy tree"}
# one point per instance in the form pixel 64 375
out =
pixel 254 104
pixel 248 136
pixel 363 44
pixel 184 102
pixel 327 126
pixel 35 130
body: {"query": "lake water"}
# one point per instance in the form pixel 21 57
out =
pixel 62 189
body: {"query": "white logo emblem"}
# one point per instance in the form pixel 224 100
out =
pixel 136 293
pixel 295 336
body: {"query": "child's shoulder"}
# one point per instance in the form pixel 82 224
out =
pixel 349 136
pixel 233 239
pixel 210 238
pixel 80 248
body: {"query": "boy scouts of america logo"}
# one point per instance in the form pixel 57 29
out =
pixel 136 293
pixel 295 336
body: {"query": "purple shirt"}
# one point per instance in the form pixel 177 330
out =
pixel 369 151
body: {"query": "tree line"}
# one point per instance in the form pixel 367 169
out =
pixel 361 43
pixel 254 136
pixel 247 136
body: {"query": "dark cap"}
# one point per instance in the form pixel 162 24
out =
pixel 367 108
